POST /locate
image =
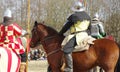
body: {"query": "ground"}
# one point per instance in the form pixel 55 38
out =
pixel 37 66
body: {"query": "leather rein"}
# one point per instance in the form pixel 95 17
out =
pixel 46 38
pixel 54 51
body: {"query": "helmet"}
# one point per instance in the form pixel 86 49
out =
pixel 24 32
pixel 96 17
pixel 7 19
pixel 8 13
pixel 78 7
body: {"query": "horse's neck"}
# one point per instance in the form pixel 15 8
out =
pixel 51 31
pixel 45 33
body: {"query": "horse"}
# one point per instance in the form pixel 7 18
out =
pixel 103 52
pixel 9 61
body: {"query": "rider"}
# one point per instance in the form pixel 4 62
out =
pixel 97 29
pixel 78 23
pixel 9 31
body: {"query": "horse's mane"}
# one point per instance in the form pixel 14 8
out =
pixel 51 29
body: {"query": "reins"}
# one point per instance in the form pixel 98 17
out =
pixel 54 51
pixel 45 39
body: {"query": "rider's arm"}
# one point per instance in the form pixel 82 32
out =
pixel 101 28
pixel 70 21
pixel 17 29
pixel 67 25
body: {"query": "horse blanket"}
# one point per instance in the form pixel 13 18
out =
pixel 82 39
pixel 9 61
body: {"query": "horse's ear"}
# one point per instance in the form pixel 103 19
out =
pixel 35 23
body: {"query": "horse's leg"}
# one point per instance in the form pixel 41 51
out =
pixel 55 65
pixel 56 69
pixel 80 71
pixel 101 70
pixel 49 69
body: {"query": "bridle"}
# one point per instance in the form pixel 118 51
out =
pixel 54 51
pixel 35 31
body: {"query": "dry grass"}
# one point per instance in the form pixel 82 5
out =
pixel 37 66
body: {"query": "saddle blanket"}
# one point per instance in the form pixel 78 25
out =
pixel 9 61
pixel 85 44
pixel 82 39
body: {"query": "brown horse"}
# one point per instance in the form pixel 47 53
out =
pixel 103 53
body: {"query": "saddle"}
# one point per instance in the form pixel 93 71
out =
pixel 85 44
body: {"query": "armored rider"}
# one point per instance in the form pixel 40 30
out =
pixel 9 32
pixel 79 25
pixel 97 28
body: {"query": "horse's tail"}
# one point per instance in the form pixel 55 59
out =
pixel 117 69
pixel 9 61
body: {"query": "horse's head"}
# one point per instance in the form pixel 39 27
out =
pixel 38 33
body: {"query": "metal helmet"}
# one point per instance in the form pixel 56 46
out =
pixel 8 13
pixel 96 17
pixel 7 18
pixel 78 7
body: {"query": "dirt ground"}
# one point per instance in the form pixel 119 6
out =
pixel 37 66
